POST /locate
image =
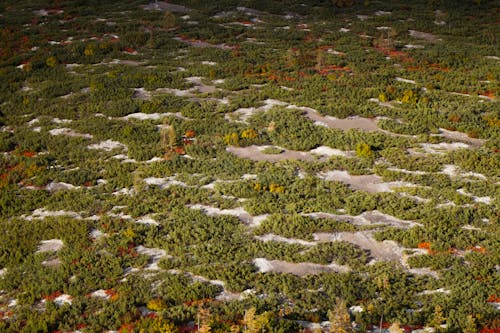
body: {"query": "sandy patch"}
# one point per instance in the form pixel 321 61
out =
pixel 69 132
pixel 400 79
pixel 96 234
pixel 51 245
pixel 254 153
pixel 453 135
pixel 107 145
pixel 239 212
pixel 147 220
pixel 124 191
pixel 33 122
pixel 200 43
pixel 443 147
pixel 423 271
pixel 436 291
pixel 154 256
pixel 327 151
pixel 245 113
pixel 453 171
pixel 165 6
pixel 141 93
pixel 485 200
pixel 424 35
pixel 414 46
pixel 367 218
pixel 345 124
pixel 61 300
pixel 164 182
pixel 52 262
pixel 386 104
pixel 299 269
pixel 60 186
pixel 411 172
pixel 41 213
pixel 368 183
pixel 124 158
pixel 200 86
pixel 100 293
pixel 152 116
pixel 277 238
pixel 176 92
pixel 381 251
pixel 61 121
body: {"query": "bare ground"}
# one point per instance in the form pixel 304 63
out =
pixel 299 269
pixel 368 183
pixel 254 153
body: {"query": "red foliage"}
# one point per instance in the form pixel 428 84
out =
pixel 477 249
pixel 489 94
pixel 439 68
pixel 52 296
pixel 129 50
pixel 110 292
pixel 126 328
pixel 187 329
pixel 490 330
pixel 493 299
pixel 180 150
pixel 28 153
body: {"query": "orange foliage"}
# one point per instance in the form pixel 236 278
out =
pixel 489 94
pixel 493 299
pixel 477 249
pixel 113 295
pixel 332 68
pixel 190 134
pixel 180 151
pixel 52 296
pixel 424 245
pixel 439 68
pixel 28 153
pixel 126 328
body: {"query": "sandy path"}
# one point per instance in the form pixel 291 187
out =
pixel 50 245
pixel 165 6
pixel 239 212
pixel 367 218
pixel 154 254
pixel 345 124
pixel 254 153
pixel 299 269
pixel 452 135
pixel 200 43
pixel 380 251
pixel 368 183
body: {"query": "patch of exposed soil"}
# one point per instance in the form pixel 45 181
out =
pixel 254 153
pixel 299 269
